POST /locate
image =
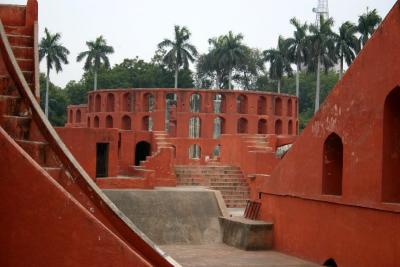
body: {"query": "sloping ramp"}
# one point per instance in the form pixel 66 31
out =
pixel 172 216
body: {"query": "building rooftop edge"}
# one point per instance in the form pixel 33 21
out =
pixel 191 89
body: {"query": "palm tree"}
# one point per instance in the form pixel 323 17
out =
pixel 211 64
pixel 96 56
pixel 55 54
pixel 181 51
pixel 232 53
pixel 297 48
pixel 279 61
pixel 322 51
pixel 347 44
pixel 367 24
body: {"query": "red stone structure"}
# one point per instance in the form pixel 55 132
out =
pixel 147 132
pixel 335 196
pixel 52 212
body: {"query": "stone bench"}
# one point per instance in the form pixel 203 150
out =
pixel 246 234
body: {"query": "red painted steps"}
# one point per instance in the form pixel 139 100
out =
pixel 229 180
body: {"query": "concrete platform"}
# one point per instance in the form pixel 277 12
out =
pixel 247 234
pixel 173 215
pixel 220 255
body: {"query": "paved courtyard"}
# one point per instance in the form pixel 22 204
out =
pixel 220 255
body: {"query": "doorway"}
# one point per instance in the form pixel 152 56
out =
pixel 102 159
pixel 142 150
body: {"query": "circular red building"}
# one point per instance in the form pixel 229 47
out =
pixel 191 120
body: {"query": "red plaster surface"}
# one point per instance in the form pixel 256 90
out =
pixel 54 213
pixel 356 228
pixel 47 227
pixel 126 110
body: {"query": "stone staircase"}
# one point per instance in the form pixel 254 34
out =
pixel 257 143
pixel 23 122
pixel 137 176
pixel 161 139
pixel 229 180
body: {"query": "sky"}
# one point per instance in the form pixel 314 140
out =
pixel 135 27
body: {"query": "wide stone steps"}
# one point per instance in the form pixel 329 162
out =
pixel 229 180
pixel 16 126
pixel 20 40
pixel 9 105
pixel 40 152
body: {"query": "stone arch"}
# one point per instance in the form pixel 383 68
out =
pixel 391 148
pixel 241 104
pixel 194 127
pixel 126 123
pixel 128 102
pixel 278 127
pixel 219 127
pixel 262 105
pixel 242 126
pixel 90 103
pixel 278 106
pixel 78 116
pixel 194 151
pixel 172 128
pixel 142 150
pixel 71 116
pixel 195 103
pixel 97 103
pixel 147 123
pixel 332 165
pixel 109 122
pixel 148 102
pixel 96 122
pixel 88 122
pixel 110 107
pixel 290 127
pixel 219 103
pixel 289 108
pixel 170 113
pixel 262 126
pixel 330 263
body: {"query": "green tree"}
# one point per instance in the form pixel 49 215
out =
pixel 347 44
pixel 96 56
pixel 279 61
pixel 56 55
pixel 58 101
pixel 367 24
pixel 297 48
pixel 181 51
pixel 209 66
pixel 231 54
pixel 322 51
pixel 249 70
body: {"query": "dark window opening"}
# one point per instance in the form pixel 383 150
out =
pixel 332 165
pixel 391 148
